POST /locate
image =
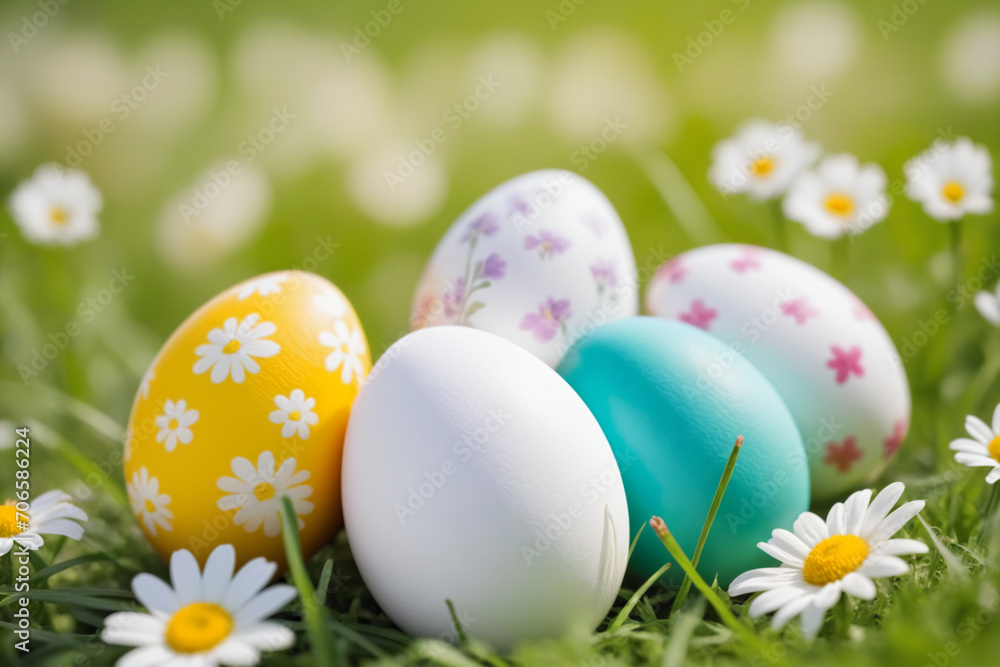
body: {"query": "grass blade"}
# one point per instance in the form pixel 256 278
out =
pixel 724 612
pixel 727 473
pixel 316 616
pixel 682 200
pixel 634 600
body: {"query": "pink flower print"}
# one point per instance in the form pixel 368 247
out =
pixel 699 315
pixel 843 456
pixel 548 243
pixel 892 443
pixel 548 320
pixel 673 270
pixel 749 261
pixel 799 309
pixel 846 363
pixel 494 267
pixel 484 225
pixel 604 273
pixel 861 312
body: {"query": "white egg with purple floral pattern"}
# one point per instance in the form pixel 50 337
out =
pixel 828 356
pixel 539 260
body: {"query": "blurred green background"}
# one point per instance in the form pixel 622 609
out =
pixel 884 80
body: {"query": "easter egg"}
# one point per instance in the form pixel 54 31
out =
pixel 539 260
pixel 247 402
pixel 672 401
pixel 828 356
pixel 473 473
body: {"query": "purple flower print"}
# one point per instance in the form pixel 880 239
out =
pixel 493 267
pixel 548 320
pixel 452 297
pixel 484 225
pixel 522 205
pixel 604 273
pixel 547 242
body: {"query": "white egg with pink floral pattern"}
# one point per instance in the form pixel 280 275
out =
pixel 539 260
pixel 828 356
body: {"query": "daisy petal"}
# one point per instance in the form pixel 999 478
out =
pixel 265 603
pixel 790 611
pixel 858 585
pixel 902 547
pixel 129 628
pixel 218 573
pixel 774 599
pixel 880 508
pixel 810 529
pixel 884 566
pixel 780 554
pixel 248 581
pixel 978 429
pixel 185 575
pixel 812 621
pixel 154 594
pixel 892 523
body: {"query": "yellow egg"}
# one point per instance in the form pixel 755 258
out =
pixel 247 402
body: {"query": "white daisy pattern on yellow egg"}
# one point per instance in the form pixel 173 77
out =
pixel 349 350
pixel 148 504
pixel 265 286
pixel 295 414
pixel 256 492
pixel 175 424
pixel 230 350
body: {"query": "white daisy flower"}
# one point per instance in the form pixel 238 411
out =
pixel 295 414
pixel 175 423
pixel 983 449
pixel 265 286
pixel 149 505
pixel 988 305
pixel 951 180
pixel 51 513
pixel 838 196
pixel 147 379
pixel 822 559
pixel 349 346
pixel 257 492
pixel 229 350
pixel 203 620
pixel 330 304
pixel 761 160
pixel 56 206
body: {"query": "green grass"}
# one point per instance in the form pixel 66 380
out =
pixel 888 105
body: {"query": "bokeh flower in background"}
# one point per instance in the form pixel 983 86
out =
pixel 823 559
pixel 761 159
pixel 203 619
pixel 57 206
pixel 983 448
pixel 51 513
pixel 839 196
pixel 988 305
pixel 951 180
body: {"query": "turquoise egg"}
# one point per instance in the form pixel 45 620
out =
pixel 672 399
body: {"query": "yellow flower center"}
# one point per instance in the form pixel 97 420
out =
pixel 198 627
pixel 833 558
pixel 263 491
pixel 232 347
pixel 839 204
pixel 173 425
pixel 294 416
pixel 58 215
pixel 149 506
pixel 953 192
pixel 995 448
pixel 762 166
pixel 9 524
pixel 547 314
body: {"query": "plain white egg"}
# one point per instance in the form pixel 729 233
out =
pixel 474 473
